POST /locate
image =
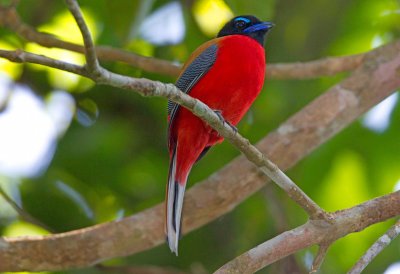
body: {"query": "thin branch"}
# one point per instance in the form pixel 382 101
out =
pixel 283 181
pixel 20 56
pixel 24 214
pixel 300 70
pixel 319 259
pixel 223 191
pixel 375 249
pixel 313 232
pixel 90 51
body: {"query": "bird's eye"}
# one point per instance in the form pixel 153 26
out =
pixel 240 24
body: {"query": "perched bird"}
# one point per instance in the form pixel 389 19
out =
pixel 226 73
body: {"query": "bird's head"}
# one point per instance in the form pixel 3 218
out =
pixel 247 25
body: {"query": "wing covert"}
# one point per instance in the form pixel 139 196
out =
pixel 193 73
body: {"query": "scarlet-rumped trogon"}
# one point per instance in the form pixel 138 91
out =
pixel 226 73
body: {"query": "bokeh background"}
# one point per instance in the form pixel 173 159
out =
pixel 73 154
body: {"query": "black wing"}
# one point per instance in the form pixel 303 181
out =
pixel 192 75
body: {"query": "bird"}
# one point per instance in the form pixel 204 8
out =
pixel 227 74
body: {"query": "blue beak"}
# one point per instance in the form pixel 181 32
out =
pixel 264 26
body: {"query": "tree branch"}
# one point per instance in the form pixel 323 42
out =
pixel 301 70
pixel 376 248
pixel 319 259
pixel 313 232
pixel 312 69
pixel 20 56
pixel 316 123
pixel 90 51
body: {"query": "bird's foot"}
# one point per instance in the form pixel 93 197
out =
pixel 219 114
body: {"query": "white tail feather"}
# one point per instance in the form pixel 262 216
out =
pixel 174 205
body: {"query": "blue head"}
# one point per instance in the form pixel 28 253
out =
pixel 247 25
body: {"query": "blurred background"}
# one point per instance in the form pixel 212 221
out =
pixel 73 154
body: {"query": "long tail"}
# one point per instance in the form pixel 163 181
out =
pixel 174 203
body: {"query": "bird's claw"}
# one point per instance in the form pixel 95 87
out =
pixel 219 114
pixel 233 127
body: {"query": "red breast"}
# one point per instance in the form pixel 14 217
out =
pixel 232 83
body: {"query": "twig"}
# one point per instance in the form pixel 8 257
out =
pixel 20 56
pixel 24 214
pixel 283 181
pixel 319 259
pixel 90 51
pixel 375 249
